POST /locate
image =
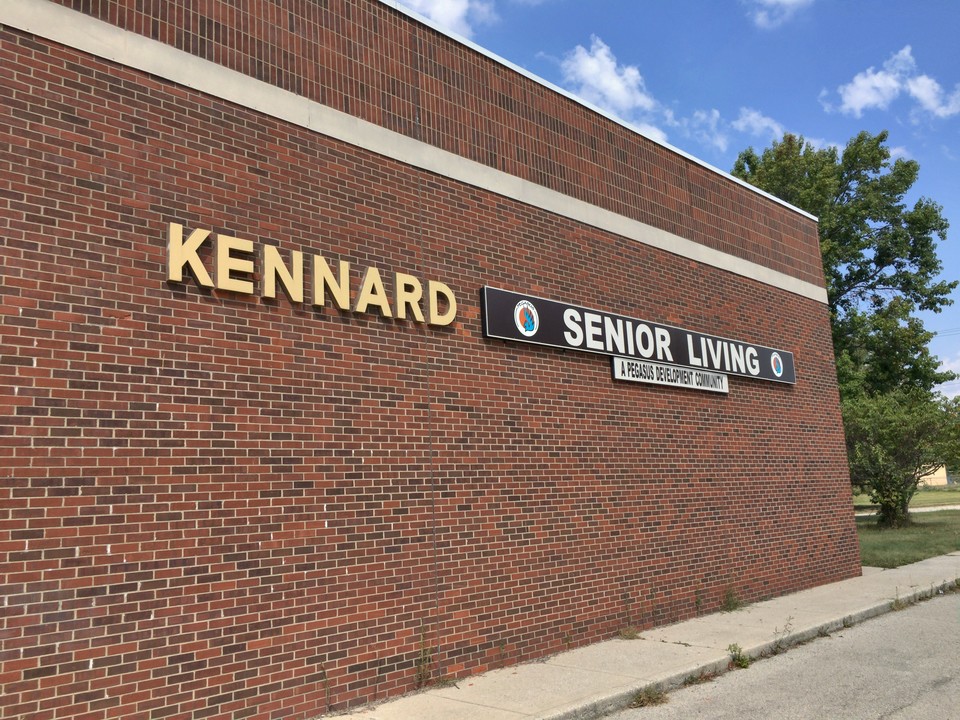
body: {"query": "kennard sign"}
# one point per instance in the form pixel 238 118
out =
pixel 525 318
pixel 237 263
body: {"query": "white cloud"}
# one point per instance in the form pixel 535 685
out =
pixel 876 89
pixel 596 76
pixel 651 131
pixel 460 16
pixel 753 122
pixel 927 91
pixel 868 90
pixel 708 129
pixel 901 64
pixel 950 389
pixel 770 14
pixel 824 99
pixel 951 364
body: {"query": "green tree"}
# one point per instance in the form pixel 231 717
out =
pixel 894 440
pixel 883 349
pixel 876 250
pixel 881 267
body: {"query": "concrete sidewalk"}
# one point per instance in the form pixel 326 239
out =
pixel 591 681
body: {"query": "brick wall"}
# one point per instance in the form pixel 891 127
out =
pixel 368 60
pixel 217 506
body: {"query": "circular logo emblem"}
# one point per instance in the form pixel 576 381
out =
pixel 776 364
pixel 526 318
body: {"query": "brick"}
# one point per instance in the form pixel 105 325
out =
pixel 219 506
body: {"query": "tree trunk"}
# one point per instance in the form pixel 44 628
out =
pixel 895 514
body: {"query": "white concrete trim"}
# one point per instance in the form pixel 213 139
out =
pixel 84 33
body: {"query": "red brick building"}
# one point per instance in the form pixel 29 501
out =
pixel 260 458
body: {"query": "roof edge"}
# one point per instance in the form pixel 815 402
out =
pixel 396 5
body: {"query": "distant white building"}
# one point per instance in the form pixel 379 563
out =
pixel 939 478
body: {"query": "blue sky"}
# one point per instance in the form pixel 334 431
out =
pixel 713 77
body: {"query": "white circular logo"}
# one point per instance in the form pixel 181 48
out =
pixel 526 318
pixel 776 364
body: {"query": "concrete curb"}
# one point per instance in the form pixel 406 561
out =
pixel 601 707
pixel 620 701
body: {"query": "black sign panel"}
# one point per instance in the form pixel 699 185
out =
pixel 525 318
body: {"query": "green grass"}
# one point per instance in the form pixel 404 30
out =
pixel 931 534
pixel 927 497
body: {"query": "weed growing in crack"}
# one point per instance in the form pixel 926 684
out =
pixel 703 677
pixel 731 601
pixel 782 634
pixel 898 603
pixel 648 697
pixel 737 656
pixel 423 660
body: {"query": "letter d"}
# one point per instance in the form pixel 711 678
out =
pixel 438 290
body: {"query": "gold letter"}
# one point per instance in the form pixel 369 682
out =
pixel 438 289
pixel 227 263
pixel 409 292
pixel 273 268
pixel 372 293
pixel 180 253
pixel 323 278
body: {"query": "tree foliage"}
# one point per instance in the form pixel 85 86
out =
pixel 874 247
pixel 896 439
pixel 881 267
